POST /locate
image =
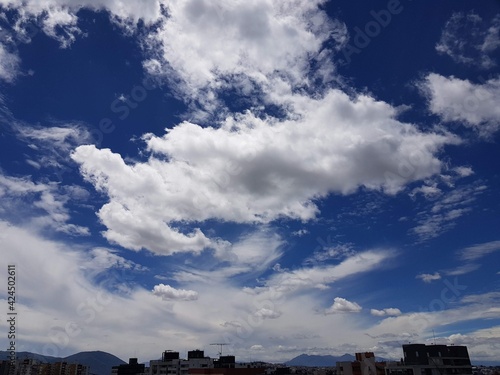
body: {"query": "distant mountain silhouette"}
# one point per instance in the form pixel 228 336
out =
pixel 99 362
pixel 318 360
pixel 24 355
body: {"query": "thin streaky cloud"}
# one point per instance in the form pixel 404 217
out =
pixel 479 251
pixel 469 39
pixel 462 270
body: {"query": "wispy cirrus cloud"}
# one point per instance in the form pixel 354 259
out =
pixel 9 64
pixel 331 251
pixel 52 144
pixel 469 39
pixel 247 256
pixel 479 251
pixel 448 205
pixel 462 270
pixel 320 276
pixel 63 137
pixel 41 204
pixel 102 259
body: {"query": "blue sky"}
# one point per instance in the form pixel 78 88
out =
pixel 313 177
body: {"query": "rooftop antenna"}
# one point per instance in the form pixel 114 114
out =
pixel 220 344
pixel 434 335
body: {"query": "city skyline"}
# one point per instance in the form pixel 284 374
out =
pixel 283 177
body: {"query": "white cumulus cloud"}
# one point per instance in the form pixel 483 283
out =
pixel 429 277
pixel 252 170
pixel 167 292
pixel 341 305
pixel 473 105
pixel 386 312
pixel 210 45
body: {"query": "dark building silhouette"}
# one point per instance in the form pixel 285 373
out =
pixel 169 355
pixel 420 354
pixel 132 368
pixel 421 359
pixel 228 371
pixel 226 361
pixel 4 367
pixel 196 354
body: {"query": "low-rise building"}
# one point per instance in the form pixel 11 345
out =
pixel 364 364
pixel 62 368
pixel 31 366
pixel 172 364
pixel 197 364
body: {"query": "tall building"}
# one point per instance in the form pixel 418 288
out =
pixel 421 359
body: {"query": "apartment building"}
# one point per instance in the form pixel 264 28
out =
pixel 421 359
